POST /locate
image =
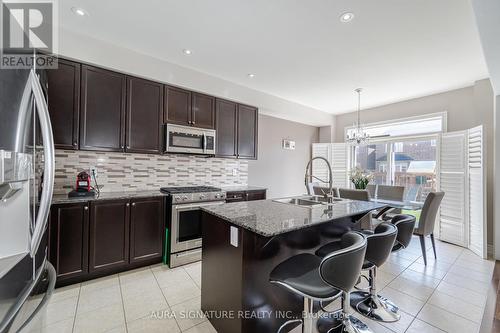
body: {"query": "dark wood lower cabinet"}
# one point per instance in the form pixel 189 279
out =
pixel 109 235
pixel 146 229
pixel 97 238
pixel 68 240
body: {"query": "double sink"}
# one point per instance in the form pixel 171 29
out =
pixel 309 201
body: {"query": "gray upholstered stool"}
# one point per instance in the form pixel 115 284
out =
pixel 369 303
pixel 324 279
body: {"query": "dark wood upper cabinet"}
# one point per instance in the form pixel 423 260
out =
pixel 247 131
pixel 177 106
pixel 144 116
pixel 109 235
pixel 203 111
pixel 64 103
pixel 146 229
pixel 102 122
pixel 68 240
pixel 226 115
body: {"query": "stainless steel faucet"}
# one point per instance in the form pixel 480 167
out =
pixel 328 195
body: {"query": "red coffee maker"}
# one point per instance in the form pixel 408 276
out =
pixel 83 186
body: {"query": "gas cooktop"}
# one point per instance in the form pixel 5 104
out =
pixel 189 189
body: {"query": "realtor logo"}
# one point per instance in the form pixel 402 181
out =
pixel 28 26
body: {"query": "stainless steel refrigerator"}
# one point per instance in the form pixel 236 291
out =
pixel 27 279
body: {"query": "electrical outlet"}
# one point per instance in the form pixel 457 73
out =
pixel 93 171
pixel 235 172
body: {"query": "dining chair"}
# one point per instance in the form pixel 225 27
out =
pixel 347 193
pixel 427 221
pixel 321 190
pixel 389 192
pixel 372 189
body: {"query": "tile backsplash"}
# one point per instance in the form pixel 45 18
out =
pixel 130 172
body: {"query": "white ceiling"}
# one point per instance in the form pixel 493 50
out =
pixel 299 49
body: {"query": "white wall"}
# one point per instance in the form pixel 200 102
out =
pixel 280 170
pixel 103 54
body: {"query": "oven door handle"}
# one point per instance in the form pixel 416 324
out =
pixel 204 142
pixel 191 206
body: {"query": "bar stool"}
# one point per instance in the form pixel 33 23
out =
pixel 406 225
pixel 324 279
pixel 378 250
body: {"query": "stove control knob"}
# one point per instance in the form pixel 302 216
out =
pixel 202 196
pixel 217 196
pixel 185 198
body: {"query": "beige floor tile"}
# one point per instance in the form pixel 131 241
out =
pixel 392 268
pixel 420 278
pixel 463 294
pixel 486 266
pixel 476 286
pixel 418 326
pixel 100 320
pixel 153 325
pixel 405 302
pixel 101 283
pixel 204 327
pixel 400 261
pixel 446 321
pixel 402 324
pixel 429 270
pixel 188 314
pixel 98 298
pixel 167 277
pixel 61 310
pixel 64 326
pixel 144 305
pixel 119 329
pixel 65 292
pixel 194 271
pixel 470 274
pixel 136 276
pixel 411 288
pixel 406 255
pixel 141 286
pixel 456 306
pixel 181 292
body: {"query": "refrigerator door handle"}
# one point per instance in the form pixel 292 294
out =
pixel 49 159
pixel 51 272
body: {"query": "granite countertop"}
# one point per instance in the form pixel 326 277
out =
pixel 242 188
pixel 63 198
pixel 269 218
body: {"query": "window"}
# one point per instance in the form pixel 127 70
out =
pixel 409 163
pixel 422 125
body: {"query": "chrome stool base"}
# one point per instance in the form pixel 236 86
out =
pixel 333 323
pixel 375 307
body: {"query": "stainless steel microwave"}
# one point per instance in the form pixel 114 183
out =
pixel 192 140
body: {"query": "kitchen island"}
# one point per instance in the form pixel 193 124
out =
pixel 244 241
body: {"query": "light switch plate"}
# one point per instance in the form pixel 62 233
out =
pixel 234 236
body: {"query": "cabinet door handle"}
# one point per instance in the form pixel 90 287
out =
pixel 75 143
pixel 128 147
pixel 193 122
pixel 122 147
pixel 133 204
pixel 127 204
pixel 86 207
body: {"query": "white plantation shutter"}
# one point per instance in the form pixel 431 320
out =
pixel 337 155
pixel 477 192
pixel 319 168
pixel 339 163
pixel 453 226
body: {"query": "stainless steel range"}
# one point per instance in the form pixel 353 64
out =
pixel 184 223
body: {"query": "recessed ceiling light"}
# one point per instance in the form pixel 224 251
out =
pixel 251 75
pixel 79 11
pixel 346 17
pixel 187 52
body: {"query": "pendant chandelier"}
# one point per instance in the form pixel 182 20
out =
pixel 358 135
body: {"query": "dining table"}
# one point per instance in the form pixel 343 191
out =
pixel 392 204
